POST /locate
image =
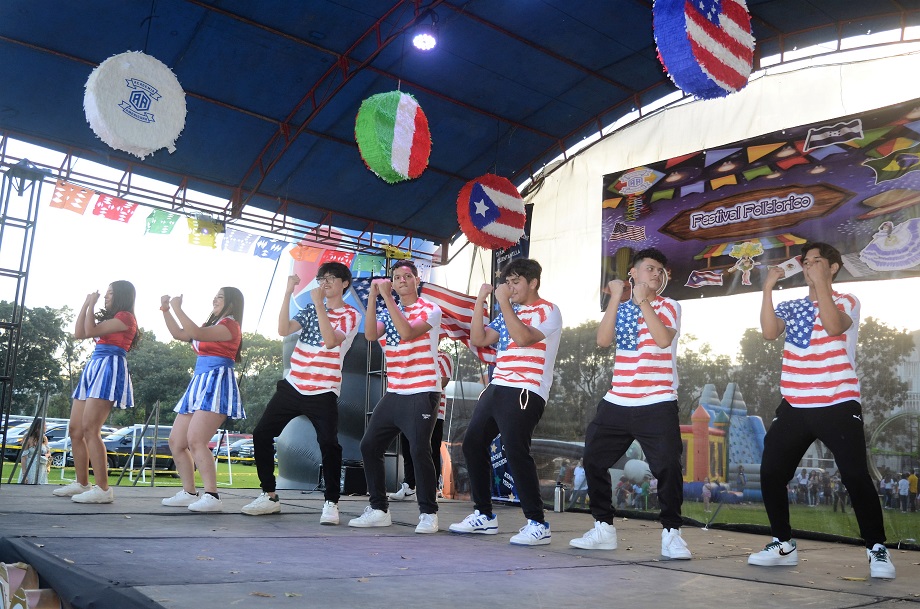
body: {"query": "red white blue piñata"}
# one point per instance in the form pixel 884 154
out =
pixel 491 212
pixel 706 46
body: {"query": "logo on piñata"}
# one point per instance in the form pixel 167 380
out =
pixel 393 136
pixel 706 46
pixel 491 212
pixel 140 100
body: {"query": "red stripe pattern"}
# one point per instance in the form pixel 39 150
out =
pixel 529 367
pixel 647 374
pixel 314 368
pixel 824 372
pixel 412 365
pixel 446 370
pixel 456 316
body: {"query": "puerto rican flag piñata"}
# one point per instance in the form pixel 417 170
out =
pixel 491 212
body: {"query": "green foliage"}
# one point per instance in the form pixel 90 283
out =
pixel 38 369
pixel 159 371
pixel 698 366
pixel 881 349
pixel 582 376
pixel 760 364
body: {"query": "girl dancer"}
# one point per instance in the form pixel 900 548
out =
pixel 211 397
pixel 104 383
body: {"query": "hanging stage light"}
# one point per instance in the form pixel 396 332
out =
pixel 425 34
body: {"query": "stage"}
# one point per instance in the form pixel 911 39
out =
pixel 137 553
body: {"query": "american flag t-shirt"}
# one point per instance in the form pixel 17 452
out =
pixel 818 370
pixel 529 367
pixel 643 372
pixel 412 365
pixel 314 368
pixel 446 370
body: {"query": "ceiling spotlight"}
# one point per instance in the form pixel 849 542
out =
pixel 425 34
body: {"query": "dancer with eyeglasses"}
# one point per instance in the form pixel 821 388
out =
pixel 640 405
pixel 327 328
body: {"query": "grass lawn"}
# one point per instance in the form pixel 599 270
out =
pixel 243 476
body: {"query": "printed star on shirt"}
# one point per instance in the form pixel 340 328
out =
pixel 310 334
pixel 392 333
pixel 627 326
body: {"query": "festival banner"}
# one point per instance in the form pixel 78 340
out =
pixel 203 232
pixel 236 240
pixel 723 216
pixel 269 248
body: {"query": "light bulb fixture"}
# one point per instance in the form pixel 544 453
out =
pixel 425 34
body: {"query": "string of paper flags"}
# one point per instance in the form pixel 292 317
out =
pixel 203 231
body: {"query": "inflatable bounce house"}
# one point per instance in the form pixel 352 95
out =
pixel 724 443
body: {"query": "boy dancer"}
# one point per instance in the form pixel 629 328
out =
pixel 641 404
pixel 527 334
pixel 821 396
pixel 409 333
pixel 311 388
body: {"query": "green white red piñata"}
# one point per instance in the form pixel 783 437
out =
pixel 393 136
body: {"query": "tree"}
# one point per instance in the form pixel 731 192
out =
pixel 38 367
pixel 258 373
pixel 881 349
pixel 582 377
pixel 159 371
pixel 760 364
pixel 698 366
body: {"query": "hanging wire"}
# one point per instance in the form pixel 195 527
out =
pixel 149 20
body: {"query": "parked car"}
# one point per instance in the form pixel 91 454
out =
pixel 14 443
pixel 230 439
pixel 60 448
pixel 118 447
pixel 221 451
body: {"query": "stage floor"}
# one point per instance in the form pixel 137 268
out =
pixel 179 559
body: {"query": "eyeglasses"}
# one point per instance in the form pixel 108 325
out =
pixel 326 279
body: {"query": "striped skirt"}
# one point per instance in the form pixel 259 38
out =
pixel 106 377
pixel 213 389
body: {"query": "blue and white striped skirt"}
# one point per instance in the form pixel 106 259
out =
pixel 106 377
pixel 213 389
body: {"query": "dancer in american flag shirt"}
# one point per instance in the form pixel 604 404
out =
pixel 821 401
pixel 311 388
pixel 640 405
pixel 408 332
pixel 527 334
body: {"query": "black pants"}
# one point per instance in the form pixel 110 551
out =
pixel 608 437
pixel 437 436
pixel 514 413
pixel 840 428
pixel 414 415
pixel 288 403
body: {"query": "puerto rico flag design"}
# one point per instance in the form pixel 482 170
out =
pixel 314 368
pixel 644 373
pixel 491 212
pixel 706 46
pixel 412 365
pixel 818 370
pixel 530 367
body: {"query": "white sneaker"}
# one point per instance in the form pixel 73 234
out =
pixel 330 513
pixel 673 545
pixel 181 499
pixel 95 495
pixel 427 523
pixel 532 534
pixel 263 504
pixel 206 503
pixel 371 518
pixel 476 523
pixel 880 562
pixel 74 488
pixel 776 554
pixel 602 537
pixel 403 494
